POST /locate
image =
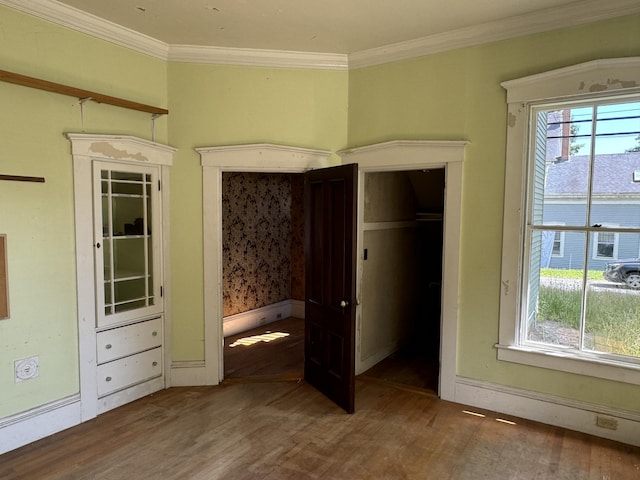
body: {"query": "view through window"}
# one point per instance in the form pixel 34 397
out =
pixel 583 229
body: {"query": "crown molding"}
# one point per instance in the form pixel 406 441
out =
pixel 70 17
pixel 573 14
pixel 257 57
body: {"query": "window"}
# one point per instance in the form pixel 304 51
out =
pixel 558 244
pixel 553 247
pixel 571 296
pixel 605 246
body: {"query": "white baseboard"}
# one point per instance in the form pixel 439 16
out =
pixel 244 321
pixel 188 374
pixel 558 411
pixel 26 427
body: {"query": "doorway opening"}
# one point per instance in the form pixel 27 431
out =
pixel 263 275
pixel 402 276
pixel 263 255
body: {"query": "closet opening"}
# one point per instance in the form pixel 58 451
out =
pixel 263 275
pixel 402 277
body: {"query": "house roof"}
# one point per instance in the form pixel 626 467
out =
pixel 613 174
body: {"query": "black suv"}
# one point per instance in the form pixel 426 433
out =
pixel 623 271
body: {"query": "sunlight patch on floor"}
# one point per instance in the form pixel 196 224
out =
pixel 508 422
pixel 475 414
pixel 481 415
pixel 265 337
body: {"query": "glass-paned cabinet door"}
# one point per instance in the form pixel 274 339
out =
pixel 127 234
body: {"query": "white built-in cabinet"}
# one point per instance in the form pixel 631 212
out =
pixel 121 212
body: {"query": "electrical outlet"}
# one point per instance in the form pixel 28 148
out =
pixel 279 316
pixel 26 368
pixel 607 422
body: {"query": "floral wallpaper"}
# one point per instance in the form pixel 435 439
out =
pixel 263 240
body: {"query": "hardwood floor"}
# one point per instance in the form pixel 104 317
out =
pixel 282 357
pixel 287 430
pixel 408 367
pixel 275 350
pixel 256 425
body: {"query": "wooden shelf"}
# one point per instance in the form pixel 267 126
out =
pixel 45 85
pixel 21 178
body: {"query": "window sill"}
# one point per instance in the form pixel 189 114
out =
pixel 571 362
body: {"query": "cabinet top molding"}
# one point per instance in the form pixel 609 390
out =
pixel 47 86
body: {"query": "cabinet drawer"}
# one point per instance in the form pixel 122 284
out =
pixel 128 371
pixel 123 341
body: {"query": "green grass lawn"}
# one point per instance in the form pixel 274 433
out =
pixel 574 274
pixel 612 321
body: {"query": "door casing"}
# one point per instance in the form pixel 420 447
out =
pixel 398 155
pixel 264 158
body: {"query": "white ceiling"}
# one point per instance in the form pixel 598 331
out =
pixel 322 26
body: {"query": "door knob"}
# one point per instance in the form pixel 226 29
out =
pixel 344 304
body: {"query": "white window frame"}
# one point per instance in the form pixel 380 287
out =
pixel 597 79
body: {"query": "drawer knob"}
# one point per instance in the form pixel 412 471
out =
pixel 108 379
pixel 155 364
pixel 155 334
pixel 108 346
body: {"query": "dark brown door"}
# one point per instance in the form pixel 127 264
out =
pixel 330 267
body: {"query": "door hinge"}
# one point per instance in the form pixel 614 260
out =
pixel 161 291
pixel 158 185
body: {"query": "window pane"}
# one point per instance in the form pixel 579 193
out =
pixel 619 210
pixel 126 212
pixel 618 128
pixel 555 294
pixel 572 252
pixel 612 320
pixel 562 167
pixel 616 196
pixel 623 271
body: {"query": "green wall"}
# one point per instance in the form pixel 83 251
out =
pixel 214 105
pixel 457 95
pixel 453 95
pixel 38 217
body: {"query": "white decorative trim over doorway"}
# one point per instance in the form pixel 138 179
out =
pixel 267 158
